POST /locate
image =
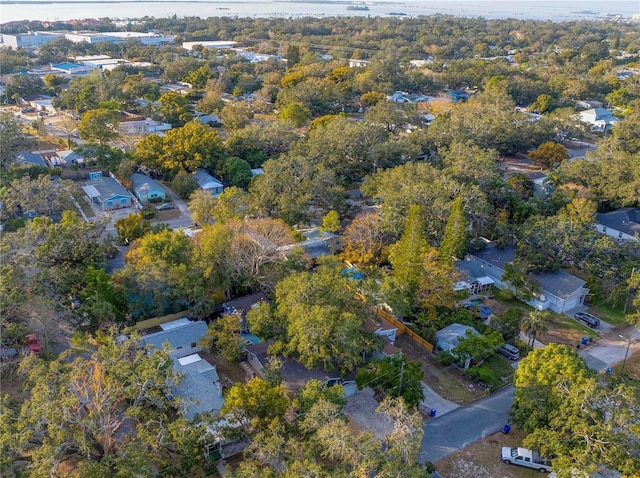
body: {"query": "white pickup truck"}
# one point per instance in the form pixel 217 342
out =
pixel 525 457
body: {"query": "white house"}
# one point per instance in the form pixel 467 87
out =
pixel 600 119
pixel 209 44
pixel 208 182
pixel 560 291
pixel 142 126
pixel 622 224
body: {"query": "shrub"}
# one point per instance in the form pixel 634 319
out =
pixel 482 374
pixel 505 295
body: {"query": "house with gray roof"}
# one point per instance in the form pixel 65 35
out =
pixel 600 119
pixel 208 182
pixel 108 193
pixel 561 291
pixel 182 335
pixel 449 338
pixel 26 159
pixel 146 189
pixel 199 388
pixel 622 224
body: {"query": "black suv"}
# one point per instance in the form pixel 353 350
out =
pixel 588 319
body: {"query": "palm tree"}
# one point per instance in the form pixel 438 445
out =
pixel 535 323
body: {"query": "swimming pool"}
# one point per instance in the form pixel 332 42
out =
pixel 250 338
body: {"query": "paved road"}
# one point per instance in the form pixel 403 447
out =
pixel 465 425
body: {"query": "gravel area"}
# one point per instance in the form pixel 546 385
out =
pixel 361 410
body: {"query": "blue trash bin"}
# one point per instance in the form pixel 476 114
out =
pixel 433 412
pixel 584 341
pixel 609 371
pixel 506 429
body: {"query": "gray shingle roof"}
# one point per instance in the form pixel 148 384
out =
pixel 30 158
pixel 185 334
pixel 198 388
pixel 205 180
pixel 560 283
pixel 141 184
pixel 625 220
pixel 452 333
pixel 497 257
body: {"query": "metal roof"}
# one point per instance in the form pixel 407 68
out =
pixel 108 187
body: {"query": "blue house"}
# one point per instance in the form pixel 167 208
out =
pixel 107 193
pixel 146 189
pixel 208 182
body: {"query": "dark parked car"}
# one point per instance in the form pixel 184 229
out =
pixel 510 351
pixel 588 319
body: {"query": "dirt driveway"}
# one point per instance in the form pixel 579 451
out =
pixel 446 381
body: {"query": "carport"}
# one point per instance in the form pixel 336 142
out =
pixel 92 193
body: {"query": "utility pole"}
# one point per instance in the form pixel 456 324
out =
pixel 626 354
pixel 401 376
pixel 626 300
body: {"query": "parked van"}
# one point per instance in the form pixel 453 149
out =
pixel 510 351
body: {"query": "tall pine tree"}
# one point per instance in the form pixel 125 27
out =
pixel 407 258
pixel 455 232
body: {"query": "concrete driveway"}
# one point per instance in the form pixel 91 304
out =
pixel 612 348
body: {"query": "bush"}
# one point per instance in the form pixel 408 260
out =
pixel 12 225
pixel 446 358
pixel 505 295
pixel 482 374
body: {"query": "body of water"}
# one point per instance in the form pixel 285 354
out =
pixel 560 10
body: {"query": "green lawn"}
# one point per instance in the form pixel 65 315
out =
pixel 606 313
pixel 501 367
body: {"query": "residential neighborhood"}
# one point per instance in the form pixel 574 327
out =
pixel 351 245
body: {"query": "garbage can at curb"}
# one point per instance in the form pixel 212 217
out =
pixel 584 341
pixel 432 413
pixel 506 429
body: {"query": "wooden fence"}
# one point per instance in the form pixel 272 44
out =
pixel 147 324
pixel 402 328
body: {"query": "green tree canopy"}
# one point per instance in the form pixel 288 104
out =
pixel 100 125
pixel 396 375
pixel 182 149
pixel 105 405
pixel 322 320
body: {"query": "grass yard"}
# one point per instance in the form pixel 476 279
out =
pixel 612 316
pixel 445 380
pixel 565 330
pixel 265 117
pixel 482 459
pixel 631 367
pixel 501 368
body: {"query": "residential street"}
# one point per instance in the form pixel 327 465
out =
pixel 463 426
